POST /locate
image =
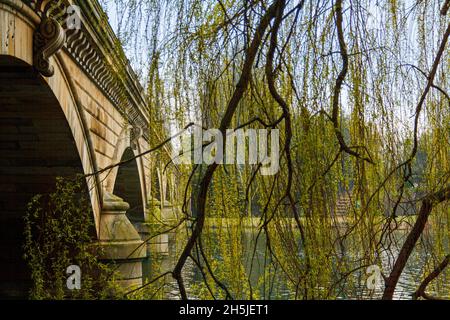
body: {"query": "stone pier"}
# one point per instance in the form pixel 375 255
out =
pixel 120 243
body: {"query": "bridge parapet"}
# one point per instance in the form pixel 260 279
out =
pixel 94 46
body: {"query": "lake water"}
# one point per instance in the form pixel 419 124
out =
pixel 352 287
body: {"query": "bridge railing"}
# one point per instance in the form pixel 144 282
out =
pixel 96 49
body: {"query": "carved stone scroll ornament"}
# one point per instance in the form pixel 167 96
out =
pixel 48 38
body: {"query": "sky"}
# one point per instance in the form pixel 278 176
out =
pixel 138 49
pixel 136 42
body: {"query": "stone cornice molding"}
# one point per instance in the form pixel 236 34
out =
pixel 48 38
pixel 96 50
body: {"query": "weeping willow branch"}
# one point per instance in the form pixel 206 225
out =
pixel 445 7
pixel 433 275
pixel 241 87
pixel 270 73
pixel 159 146
pixel 338 85
pixel 261 64
pixel 425 210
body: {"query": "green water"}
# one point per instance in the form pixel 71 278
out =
pixel 352 287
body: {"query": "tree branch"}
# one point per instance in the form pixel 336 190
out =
pixel 238 93
pixel 423 286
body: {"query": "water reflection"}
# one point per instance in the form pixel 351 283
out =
pixel 163 257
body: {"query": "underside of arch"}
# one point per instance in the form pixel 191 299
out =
pixel 36 146
pixel 128 186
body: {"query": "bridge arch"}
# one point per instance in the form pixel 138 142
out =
pixel 90 105
pixel 129 185
pixel 37 143
pixel 62 89
pixel 116 181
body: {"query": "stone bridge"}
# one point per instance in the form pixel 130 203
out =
pixel 71 104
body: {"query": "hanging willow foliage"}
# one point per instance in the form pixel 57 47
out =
pixel 359 92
